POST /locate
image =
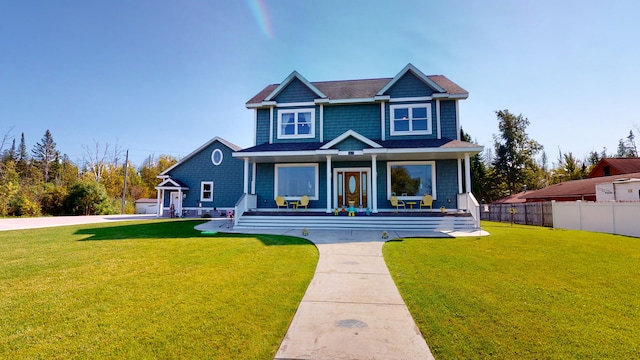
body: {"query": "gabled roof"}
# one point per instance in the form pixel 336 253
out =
pixel 577 189
pixel 359 89
pixel 224 142
pixel 172 184
pixel 348 134
pixel 617 165
pixel 410 68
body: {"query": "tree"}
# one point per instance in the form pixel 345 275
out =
pixel 627 148
pixel 569 168
pixel 88 198
pixel 514 163
pixel 45 154
pixel 150 170
pixel 480 185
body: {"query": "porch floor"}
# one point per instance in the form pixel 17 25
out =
pixel 401 213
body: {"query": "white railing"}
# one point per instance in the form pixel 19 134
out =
pixel 246 202
pixel 468 203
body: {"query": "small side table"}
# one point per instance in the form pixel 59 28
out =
pixel 411 203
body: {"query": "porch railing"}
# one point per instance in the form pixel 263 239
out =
pixel 246 202
pixel 469 203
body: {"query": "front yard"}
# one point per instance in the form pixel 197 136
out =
pixel 148 290
pixel 522 292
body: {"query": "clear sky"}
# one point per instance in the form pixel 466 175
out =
pixel 164 77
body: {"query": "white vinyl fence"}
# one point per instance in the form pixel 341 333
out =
pixel 622 218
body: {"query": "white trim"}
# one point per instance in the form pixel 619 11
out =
pixel 414 197
pixel 474 150
pixel 457 121
pixel 352 169
pixel 410 99
pixel 439 129
pixel 329 184
pixel 467 173
pixel 213 157
pixel 255 127
pixel 287 153
pixel 382 121
pixel 224 142
pixel 381 98
pixel 410 119
pixel 459 176
pixel 202 184
pixel 347 134
pixel 246 176
pixel 321 123
pixel 352 101
pixel 254 169
pixel 288 80
pixel 374 183
pixel 270 125
pixel 317 182
pixel 296 112
pixel 425 79
pixel 307 103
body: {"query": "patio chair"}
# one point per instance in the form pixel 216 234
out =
pixel 427 201
pixel 280 201
pixel 397 203
pixel 304 201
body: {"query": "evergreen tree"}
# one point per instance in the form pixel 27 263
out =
pixel 23 158
pixel 11 154
pixel 45 154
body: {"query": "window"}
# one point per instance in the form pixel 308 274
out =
pixel 216 157
pixel 298 123
pixel 412 119
pixel 206 191
pixel 411 179
pixel 295 180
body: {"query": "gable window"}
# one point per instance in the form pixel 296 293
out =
pixel 411 180
pixel 206 191
pixel 295 180
pixel 298 123
pixel 414 119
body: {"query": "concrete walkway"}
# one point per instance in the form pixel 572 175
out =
pixel 352 308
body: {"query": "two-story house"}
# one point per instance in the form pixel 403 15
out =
pixel 360 141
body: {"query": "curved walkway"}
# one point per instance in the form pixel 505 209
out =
pixel 352 308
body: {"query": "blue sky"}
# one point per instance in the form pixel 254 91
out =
pixel 164 77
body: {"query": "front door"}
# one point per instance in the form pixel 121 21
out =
pixel 176 201
pixel 351 186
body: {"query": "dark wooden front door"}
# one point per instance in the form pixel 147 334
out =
pixel 352 187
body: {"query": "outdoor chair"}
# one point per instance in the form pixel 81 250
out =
pixel 427 201
pixel 304 201
pixel 397 203
pixel 280 202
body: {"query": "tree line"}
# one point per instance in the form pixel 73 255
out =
pixel 517 162
pixel 45 182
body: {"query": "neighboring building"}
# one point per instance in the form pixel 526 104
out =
pixel 627 189
pixel 615 166
pixel 584 189
pixel 146 206
pixel 208 179
pixel 355 140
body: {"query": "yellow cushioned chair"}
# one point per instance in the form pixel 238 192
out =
pixel 397 203
pixel 280 201
pixel 427 201
pixel 304 201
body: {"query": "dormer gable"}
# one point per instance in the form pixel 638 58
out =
pixel 410 82
pixel 350 140
pixel 295 88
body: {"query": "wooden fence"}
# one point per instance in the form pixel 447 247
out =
pixel 537 213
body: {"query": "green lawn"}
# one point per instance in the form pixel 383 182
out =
pixel 141 290
pixel 523 292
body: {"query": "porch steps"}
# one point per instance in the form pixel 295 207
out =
pixel 380 222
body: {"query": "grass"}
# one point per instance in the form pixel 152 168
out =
pixel 154 290
pixel 523 292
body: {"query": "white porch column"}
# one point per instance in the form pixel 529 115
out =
pixel 374 184
pixel 253 178
pixel 246 175
pixel 160 202
pixel 460 176
pixel 329 209
pixel 467 172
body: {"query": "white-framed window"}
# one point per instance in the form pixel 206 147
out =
pixel 293 181
pixel 206 191
pixel 410 119
pixel 411 180
pixel 216 157
pixel 296 123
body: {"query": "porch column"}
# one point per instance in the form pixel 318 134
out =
pixel 246 175
pixel 329 184
pixel 374 184
pixel 160 202
pixel 460 176
pixel 467 172
pixel 253 178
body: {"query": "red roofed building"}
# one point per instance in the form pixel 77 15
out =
pixel 584 189
pixel 615 166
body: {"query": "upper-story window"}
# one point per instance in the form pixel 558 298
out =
pixel 298 123
pixel 414 119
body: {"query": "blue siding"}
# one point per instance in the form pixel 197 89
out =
pixel 265 184
pixel 296 91
pixel 227 177
pixel 408 86
pixel 448 119
pixel 262 127
pixel 434 123
pixel 351 144
pixel 446 184
pixel 363 119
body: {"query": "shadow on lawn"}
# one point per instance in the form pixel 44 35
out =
pixel 178 229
